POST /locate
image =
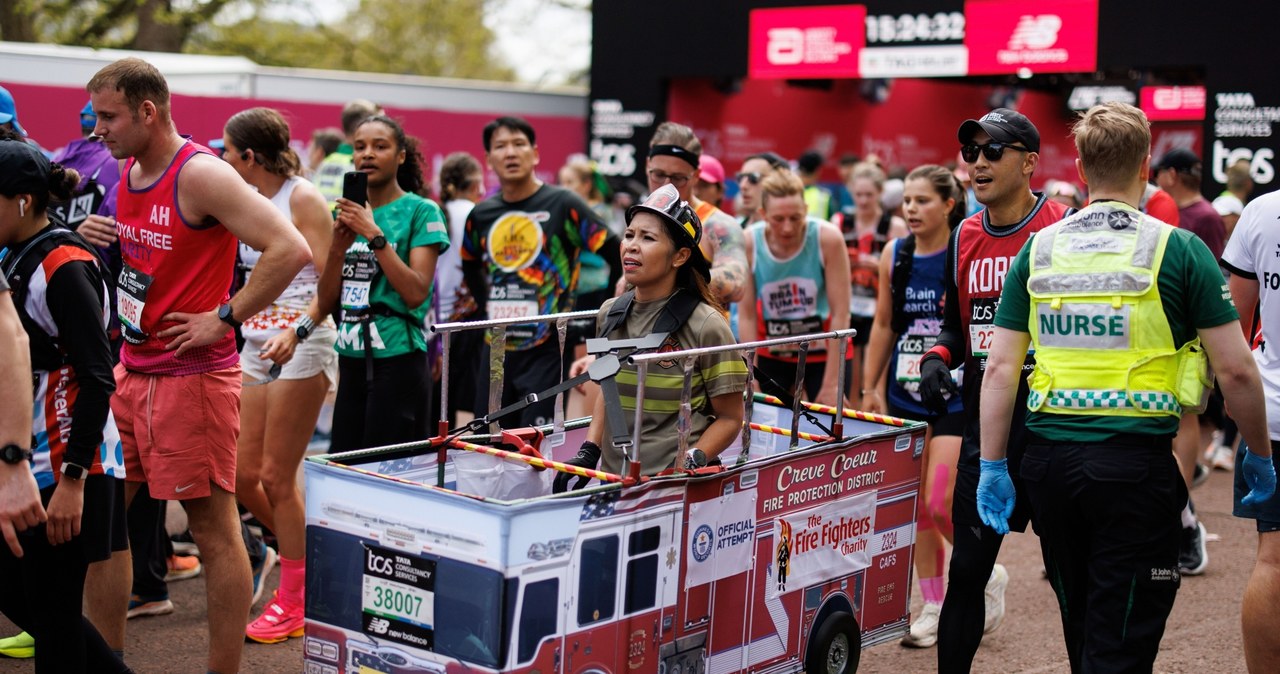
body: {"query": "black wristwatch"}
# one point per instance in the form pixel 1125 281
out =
pixel 73 471
pixel 224 315
pixel 13 454
pixel 303 327
pixel 378 242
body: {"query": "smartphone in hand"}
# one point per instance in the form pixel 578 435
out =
pixel 355 187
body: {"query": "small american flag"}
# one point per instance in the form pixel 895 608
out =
pixel 599 505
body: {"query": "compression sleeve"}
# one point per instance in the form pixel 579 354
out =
pixel 76 289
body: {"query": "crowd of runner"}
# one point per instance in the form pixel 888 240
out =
pixel 226 304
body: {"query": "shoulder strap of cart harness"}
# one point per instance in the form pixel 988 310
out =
pixel 672 317
pixel 900 276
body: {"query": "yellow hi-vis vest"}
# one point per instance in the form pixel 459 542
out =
pixel 1102 341
pixel 329 176
pixel 818 200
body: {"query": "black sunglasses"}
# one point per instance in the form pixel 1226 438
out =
pixel 752 177
pixel 992 151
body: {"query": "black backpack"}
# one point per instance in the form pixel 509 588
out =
pixel 899 277
pixel 46 354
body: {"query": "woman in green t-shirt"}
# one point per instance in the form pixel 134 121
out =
pixel 660 258
pixel 380 271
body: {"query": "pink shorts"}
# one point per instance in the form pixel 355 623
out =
pixel 179 433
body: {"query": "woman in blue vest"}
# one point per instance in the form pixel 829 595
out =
pixel 908 318
pixel 799 271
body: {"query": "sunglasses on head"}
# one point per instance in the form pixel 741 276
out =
pixel 752 177
pixel 992 151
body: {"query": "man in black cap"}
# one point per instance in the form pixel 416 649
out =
pixel 1001 152
pixel 1178 173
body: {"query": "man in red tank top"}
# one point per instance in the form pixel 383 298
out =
pixel 1001 152
pixel 181 210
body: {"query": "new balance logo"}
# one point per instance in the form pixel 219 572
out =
pixel 379 625
pixel 1036 32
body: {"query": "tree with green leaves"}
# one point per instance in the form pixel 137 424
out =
pixel 440 38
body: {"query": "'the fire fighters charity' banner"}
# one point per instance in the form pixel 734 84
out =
pixel 823 543
pixel 724 535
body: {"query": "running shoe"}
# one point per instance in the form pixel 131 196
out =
pixel 1224 458
pixel 1193 557
pixel 995 598
pixel 1214 443
pixel 277 623
pixel 157 605
pixel 184 544
pixel 182 567
pixel 266 560
pixel 20 645
pixel 1199 474
pixel 924 631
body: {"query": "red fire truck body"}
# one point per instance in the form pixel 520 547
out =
pixel 793 560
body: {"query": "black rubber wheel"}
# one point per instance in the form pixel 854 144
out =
pixel 836 647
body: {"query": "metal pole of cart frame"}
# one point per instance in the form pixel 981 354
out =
pixel 497 354
pixel 687 355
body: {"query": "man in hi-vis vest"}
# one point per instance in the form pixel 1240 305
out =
pixel 1122 311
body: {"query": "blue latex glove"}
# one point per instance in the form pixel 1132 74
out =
pixel 1260 475
pixel 996 495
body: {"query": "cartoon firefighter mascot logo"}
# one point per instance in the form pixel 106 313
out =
pixel 784 555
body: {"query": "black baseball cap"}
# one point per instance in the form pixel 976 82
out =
pixel 23 169
pixel 1004 126
pixel 682 224
pixel 810 161
pixel 1181 160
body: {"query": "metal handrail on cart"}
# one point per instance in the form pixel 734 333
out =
pixel 497 331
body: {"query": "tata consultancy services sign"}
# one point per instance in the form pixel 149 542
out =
pixel 806 42
pixel 1050 36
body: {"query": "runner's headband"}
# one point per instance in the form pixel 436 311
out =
pixel 690 158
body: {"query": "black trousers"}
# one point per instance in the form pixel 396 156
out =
pixel 1108 515
pixel 43 594
pixel 390 409
pixel 964 610
pixel 525 372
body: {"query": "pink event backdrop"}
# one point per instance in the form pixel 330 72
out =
pixel 916 125
pixel 51 116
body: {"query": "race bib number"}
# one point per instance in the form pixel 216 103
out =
pixel 512 309
pixel 980 338
pixel 911 349
pixel 804 326
pixel 131 298
pixel 864 307
pixel 398 597
pixel 355 295
pixel 358 272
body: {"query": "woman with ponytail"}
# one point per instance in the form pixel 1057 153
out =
pixel 461 188
pixel 381 273
pixel 279 405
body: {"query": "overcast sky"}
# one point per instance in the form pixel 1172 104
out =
pixel 543 40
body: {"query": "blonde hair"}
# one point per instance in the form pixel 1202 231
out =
pixel 1112 140
pixel 869 171
pixel 780 185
